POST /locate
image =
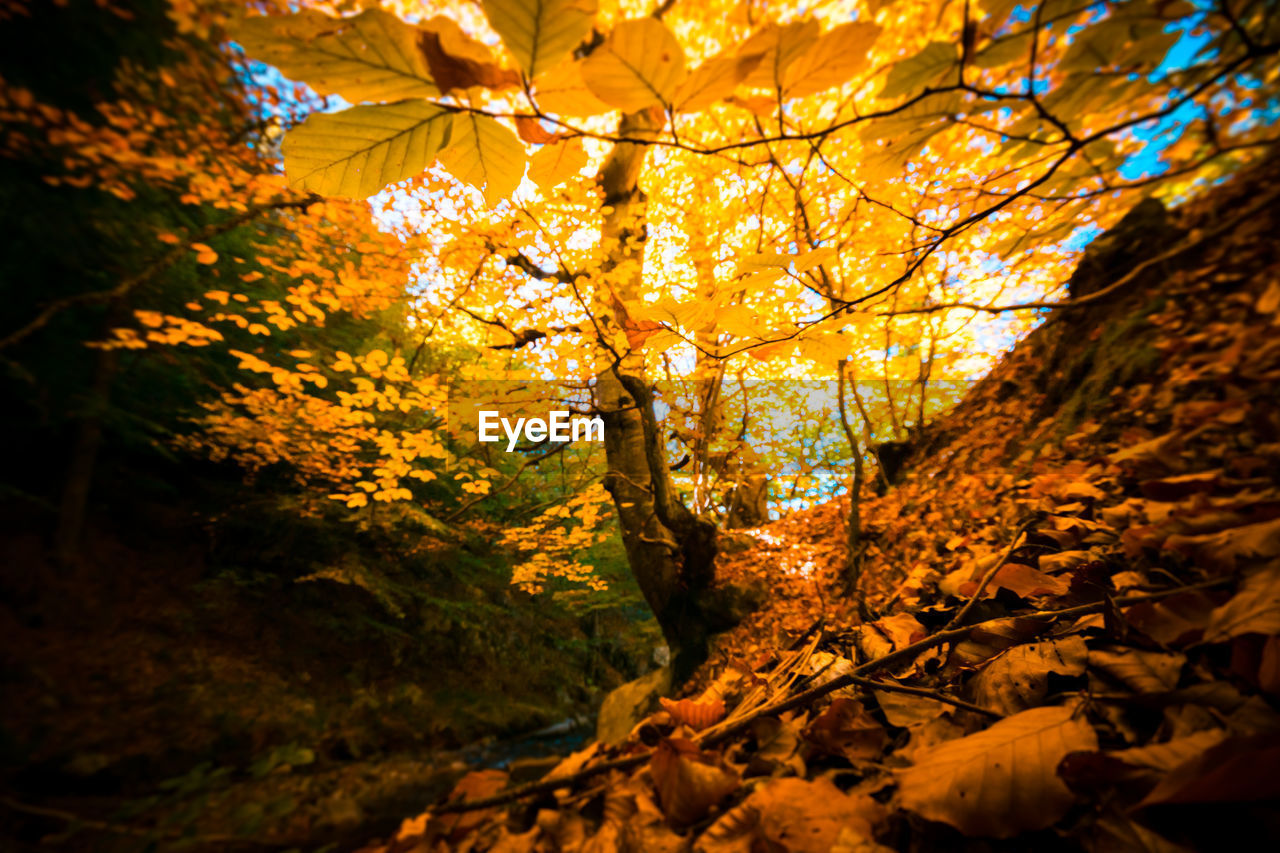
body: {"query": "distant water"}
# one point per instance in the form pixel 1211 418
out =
pixel 563 738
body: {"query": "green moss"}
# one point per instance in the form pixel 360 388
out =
pixel 1120 358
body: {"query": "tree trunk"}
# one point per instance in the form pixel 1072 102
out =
pixel 853 523
pixel 670 550
pixel 83 461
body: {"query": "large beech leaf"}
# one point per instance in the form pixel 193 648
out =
pixel 486 154
pixel 373 56
pixel 838 55
pixel 1140 670
pixel 780 45
pixel 640 65
pixel 917 72
pixel 1018 678
pixel 1001 781
pixel 688 781
pixel 552 165
pixel 562 90
pixel 540 33
pixel 1255 609
pixel 357 152
pixel 796 816
pixel 714 80
pixel 1223 549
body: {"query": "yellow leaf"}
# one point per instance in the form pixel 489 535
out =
pixel 357 152
pixel 562 90
pixel 838 55
pixel 372 56
pixel 921 70
pixel 1010 48
pixel 204 254
pixel 486 154
pixel 780 46
pixel 640 65
pixel 539 33
pixel 714 80
pixel 553 164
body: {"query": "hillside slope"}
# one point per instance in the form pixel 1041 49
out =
pixel 1109 495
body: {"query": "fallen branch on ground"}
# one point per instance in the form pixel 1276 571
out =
pixel 858 674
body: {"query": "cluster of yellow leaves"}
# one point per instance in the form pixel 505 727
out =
pixel 369 438
pixel 550 542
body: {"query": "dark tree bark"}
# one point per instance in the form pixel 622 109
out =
pixel 671 551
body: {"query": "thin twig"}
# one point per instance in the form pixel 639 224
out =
pixel 927 693
pixel 1083 301
pixel 991 573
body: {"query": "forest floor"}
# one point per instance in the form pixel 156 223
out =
pixel 1076 600
pixel 166 686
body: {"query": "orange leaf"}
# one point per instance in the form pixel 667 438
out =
pixel 689 784
pixel 532 131
pixel 695 715
pixel 458 61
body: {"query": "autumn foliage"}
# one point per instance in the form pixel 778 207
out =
pixel 344 225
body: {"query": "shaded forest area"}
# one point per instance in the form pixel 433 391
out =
pixel 938 505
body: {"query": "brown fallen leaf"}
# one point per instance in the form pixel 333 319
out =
pixel 1239 769
pixel 1225 548
pixel 1181 486
pixel 989 638
pixel 845 729
pixel 1163 757
pixel 696 715
pixel 777 741
pixel 1000 781
pixel 1018 678
pixel 1021 580
pixel 1115 832
pixel 689 782
pixel 476 785
pixel 1255 609
pixel 1174 621
pixel 794 816
pixel 906 709
pixel 1140 670
pixel 1064 560
pixel 901 629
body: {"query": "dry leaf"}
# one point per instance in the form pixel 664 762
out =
pixel 1018 678
pixel 1255 609
pixel 1001 781
pixel 795 816
pixel 695 715
pixel 1138 669
pixel 845 729
pixel 688 781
